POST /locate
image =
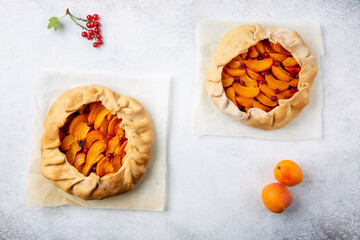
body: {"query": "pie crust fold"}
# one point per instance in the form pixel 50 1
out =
pixel 238 41
pixel 139 131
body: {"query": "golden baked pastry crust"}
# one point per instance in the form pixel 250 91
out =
pixel 139 131
pixel 238 41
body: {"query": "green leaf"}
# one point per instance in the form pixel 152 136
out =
pixel 54 22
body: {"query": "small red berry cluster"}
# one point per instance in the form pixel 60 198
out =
pixel 93 30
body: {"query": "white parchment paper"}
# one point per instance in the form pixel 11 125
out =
pixel 209 120
pixel 152 93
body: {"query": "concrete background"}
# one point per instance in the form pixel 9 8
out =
pixel 213 183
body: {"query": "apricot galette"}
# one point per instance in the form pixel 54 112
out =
pixel 261 76
pixel 96 143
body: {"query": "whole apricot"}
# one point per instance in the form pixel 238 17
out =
pixel 276 197
pixel 288 173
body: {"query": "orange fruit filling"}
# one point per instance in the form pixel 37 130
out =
pixel 261 76
pixel 93 141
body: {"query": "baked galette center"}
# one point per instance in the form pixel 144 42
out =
pixel 260 77
pixel 93 140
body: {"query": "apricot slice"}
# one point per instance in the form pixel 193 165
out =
pixel 112 145
pixel 274 83
pixel 109 168
pixel 100 117
pixel 100 167
pixel 260 47
pixel 244 101
pixel 122 152
pixel 268 91
pixel 76 122
pixel 66 142
pixel 293 69
pixel 278 48
pixel 112 125
pixel 230 94
pixel 119 131
pixel 94 105
pixel 104 126
pixel 276 197
pixel 116 162
pixel 294 82
pixel 239 59
pixel 253 74
pixel 93 136
pixel 260 106
pixel 249 92
pixel 234 64
pixel 227 82
pixel 80 161
pixel 235 72
pixel 280 73
pixel 71 153
pixel 248 81
pixel 268 48
pixel 259 65
pixel 278 56
pixel 81 131
pixel 93 154
pixel 244 55
pixel 288 173
pixel 289 62
pixel 265 100
pixel 94 113
pixel 289 93
pixel 253 53
pixel 224 75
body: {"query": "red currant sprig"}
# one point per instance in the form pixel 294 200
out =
pixel 94 25
pixel 91 31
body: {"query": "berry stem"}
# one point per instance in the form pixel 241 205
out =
pixel 72 18
pixel 81 19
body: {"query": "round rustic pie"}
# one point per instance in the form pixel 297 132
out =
pixel 261 76
pixel 96 143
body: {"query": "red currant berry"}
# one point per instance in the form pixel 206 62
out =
pixel 110 155
pixel 294 90
pixel 95 17
pixel 93 169
pixel 276 91
pixel 89 124
pixel 97 30
pixel 100 42
pixel 236 79
pixel 273 98
pixel 95 44
pixel 277 63
pixel 97 24
pixel 109 136
pixel 242 83
pixel 293 74
pixel 98 36
pixel 92 24
pixel 262 81
pixel 89 17
pixel 85 150
pixel 90 37
pixel 242 66
pixel 91 32
pixel 122 140
pixel 84 34
pixel 260 58
pixel 88 25
pixel 266 54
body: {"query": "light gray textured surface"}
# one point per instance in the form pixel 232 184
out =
pixel 214 183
